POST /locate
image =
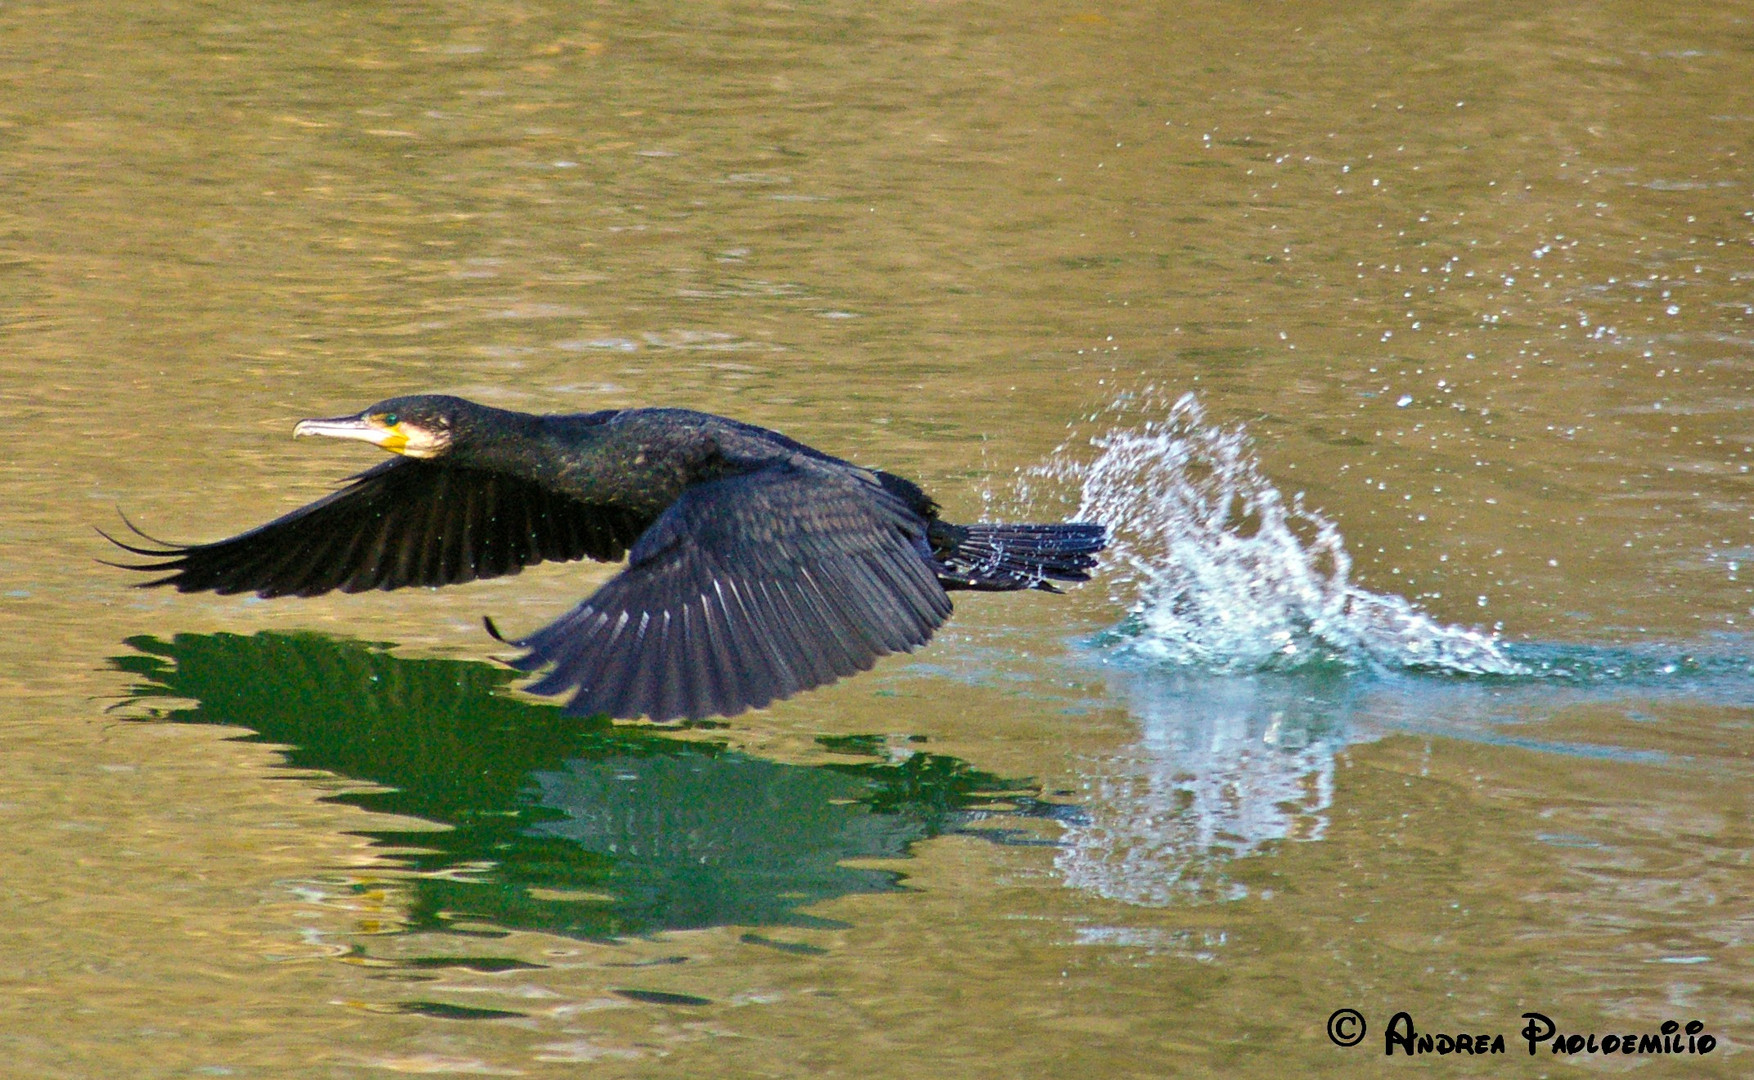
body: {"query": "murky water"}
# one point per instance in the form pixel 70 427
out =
pixel 1419 680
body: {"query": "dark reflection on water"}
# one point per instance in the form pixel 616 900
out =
pixel 574 826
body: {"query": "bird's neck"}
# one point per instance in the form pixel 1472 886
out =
pixel 498 440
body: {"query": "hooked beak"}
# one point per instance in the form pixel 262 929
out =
pixel 355 427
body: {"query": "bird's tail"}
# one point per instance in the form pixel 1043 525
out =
pixel 1001 558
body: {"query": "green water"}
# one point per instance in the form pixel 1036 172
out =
pixel 566 825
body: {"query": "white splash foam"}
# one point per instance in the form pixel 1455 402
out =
pixel 1220 573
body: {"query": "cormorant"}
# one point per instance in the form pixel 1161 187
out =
pixel 757 566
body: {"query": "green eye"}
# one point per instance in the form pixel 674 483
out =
pixel 390 419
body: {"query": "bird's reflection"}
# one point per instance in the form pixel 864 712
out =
pixel 564 824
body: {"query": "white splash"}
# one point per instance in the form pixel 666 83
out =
pixel 1221 574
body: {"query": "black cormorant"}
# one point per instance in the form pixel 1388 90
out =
pixel 757 566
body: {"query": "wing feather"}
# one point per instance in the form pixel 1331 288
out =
pixel 405 522
pixel 749 588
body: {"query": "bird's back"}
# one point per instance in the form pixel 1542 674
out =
pixel 649 457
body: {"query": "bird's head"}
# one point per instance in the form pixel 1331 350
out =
pixel 419 426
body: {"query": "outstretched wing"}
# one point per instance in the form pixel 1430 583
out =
pixel 748 589
pixel 405 522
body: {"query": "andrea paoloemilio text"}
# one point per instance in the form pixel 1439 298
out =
pixel 1540 1031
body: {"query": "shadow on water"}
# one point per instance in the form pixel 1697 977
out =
pixel 570 825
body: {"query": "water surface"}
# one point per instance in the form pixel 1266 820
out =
pixel 1421 678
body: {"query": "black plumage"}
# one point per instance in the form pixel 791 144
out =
pixel 757 566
